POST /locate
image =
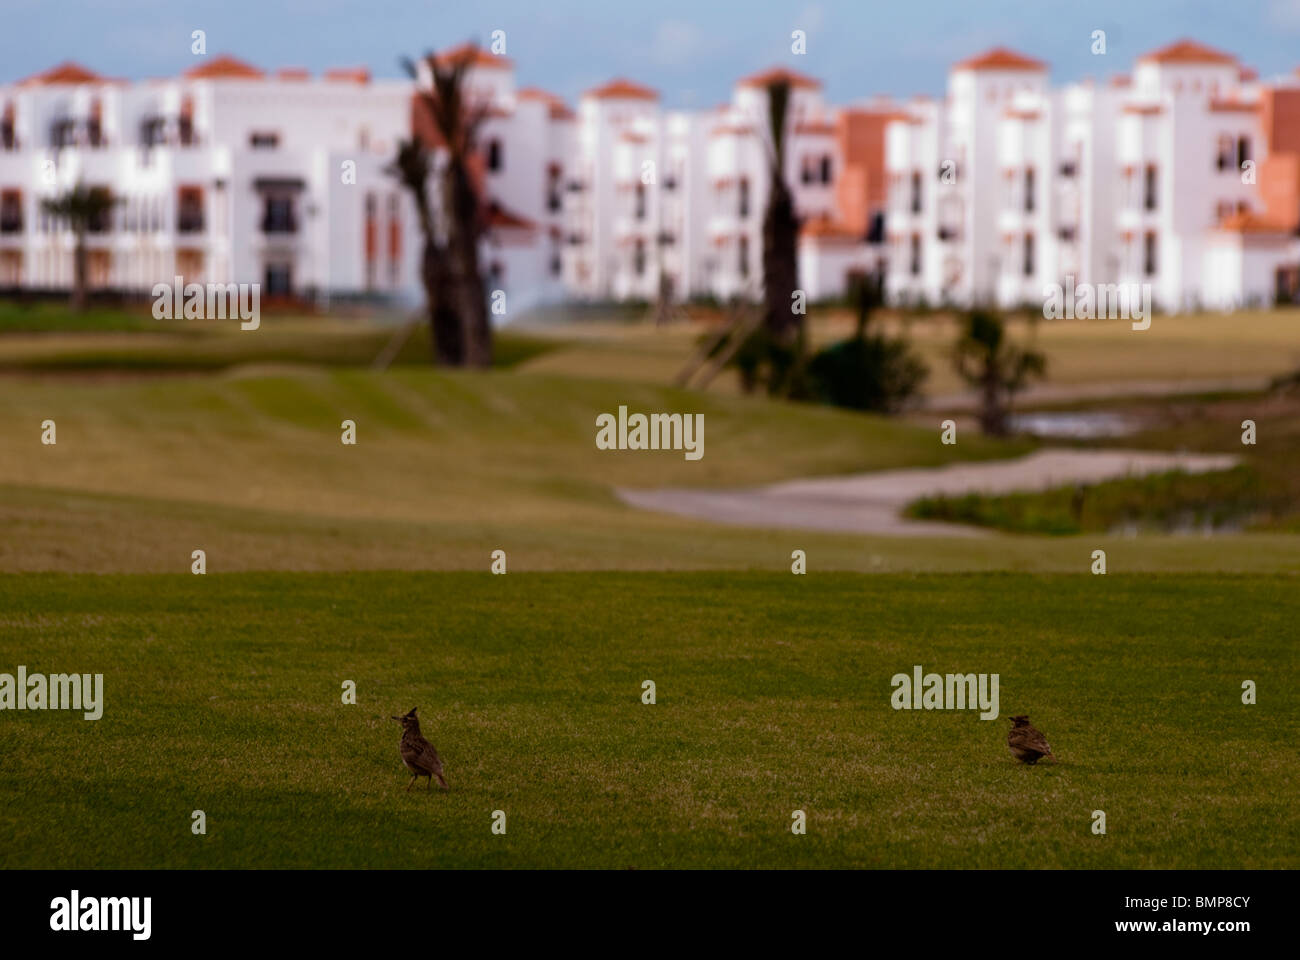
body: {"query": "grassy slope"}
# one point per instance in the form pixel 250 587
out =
pixel 78 345
pixel 450 467
pixel 1198 347
pixel 223 694
pixel 447 468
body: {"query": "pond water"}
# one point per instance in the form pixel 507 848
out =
pixel 1074 424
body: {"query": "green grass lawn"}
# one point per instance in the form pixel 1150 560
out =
pixel 222 693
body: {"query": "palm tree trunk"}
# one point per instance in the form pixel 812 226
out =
pixel 79 273
pixel 470 293
pixel 445 332
pixel 780 265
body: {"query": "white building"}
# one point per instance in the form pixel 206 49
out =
pixel 225 174
pixel 1156 179
pixel 525 146
pixel 1183 177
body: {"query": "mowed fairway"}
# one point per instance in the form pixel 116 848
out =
pixel 449 467
pixel 222 694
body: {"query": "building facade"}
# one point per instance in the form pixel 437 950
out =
pixel 1182 177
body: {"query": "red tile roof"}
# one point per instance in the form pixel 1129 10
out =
pixel 224 67
pixel 67 72
pixel 358 75
pixel 773 75
pixel 471 54
pixel 559 110
pixel 1001 58
pixel 620 89
pixel 1188 51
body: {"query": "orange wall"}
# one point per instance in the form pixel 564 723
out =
pixel 1279 175
pixel 860 189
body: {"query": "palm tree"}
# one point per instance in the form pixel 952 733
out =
pixel 986 359
pixel 85 209
pixel 450 271
pixel 784 328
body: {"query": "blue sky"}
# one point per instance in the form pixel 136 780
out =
pixel 690 50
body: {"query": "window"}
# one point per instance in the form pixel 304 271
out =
pixel 8 132
pixel 1149 188
pixel 95 126
pixel 916 191
pixel 278 278
pixel 11 211
pixel 152 132
pixel 743 248
pixel 495 158
pixel 63 134
pixel 556 263
pixel 638 258
pixel 278 215
pixel 826 168
pixel 639 211
pixel 1149 254
pixel 394 238
pixel 1028 266
pixel 553 181
pixel 1243 151
pixel 1029 190
pixel 915 265
pixel 1223 153
pixel 806 172
pixel 371 238
pixel 743 204
pixel 185 123
pixel 189 210
pixel 263 140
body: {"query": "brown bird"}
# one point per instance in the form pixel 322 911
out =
pixel 1028 744
pixel 418 753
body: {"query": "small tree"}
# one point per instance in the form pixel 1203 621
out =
pixel 870 371
pixel 986 359
pixel 84 209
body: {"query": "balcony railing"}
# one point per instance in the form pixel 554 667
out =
pixel 280 224
pixel 191 223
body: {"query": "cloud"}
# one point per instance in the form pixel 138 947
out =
pixel 811 18
pixel 1285 14
pixel 676 42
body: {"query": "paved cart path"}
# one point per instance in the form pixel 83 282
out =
pixel 872 502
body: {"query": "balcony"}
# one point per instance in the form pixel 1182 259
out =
pixel 10 224
pixel 192 222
